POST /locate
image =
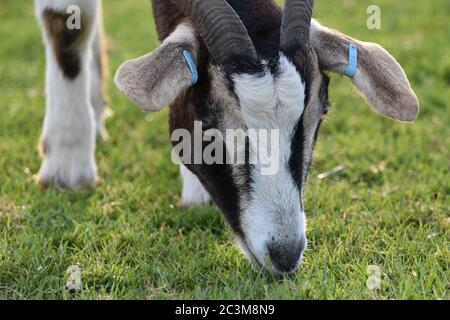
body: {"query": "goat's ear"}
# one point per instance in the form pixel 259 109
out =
pixel 378 76
pixel 158 78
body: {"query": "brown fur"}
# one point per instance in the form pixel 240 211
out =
pixel 65 42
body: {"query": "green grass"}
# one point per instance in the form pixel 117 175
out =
pixel 389 207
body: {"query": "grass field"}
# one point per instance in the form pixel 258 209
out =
pixel 389 207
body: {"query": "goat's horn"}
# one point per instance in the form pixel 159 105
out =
pixel 220 27
pixel 296 23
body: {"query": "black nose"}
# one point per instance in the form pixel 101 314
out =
pixel 285 256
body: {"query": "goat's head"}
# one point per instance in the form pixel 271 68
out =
pixel 238 90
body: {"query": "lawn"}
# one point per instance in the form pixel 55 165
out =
pixel 388 207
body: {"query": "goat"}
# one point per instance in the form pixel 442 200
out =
pixel 230 64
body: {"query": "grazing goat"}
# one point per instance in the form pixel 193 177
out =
pixel 234 64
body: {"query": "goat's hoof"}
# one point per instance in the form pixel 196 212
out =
pixel 82 181
pixel 69 172
pixel 63 179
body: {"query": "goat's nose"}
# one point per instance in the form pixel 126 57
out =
pixel 285 257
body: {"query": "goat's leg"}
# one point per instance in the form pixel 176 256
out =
pixel 193 191
pixel 68 137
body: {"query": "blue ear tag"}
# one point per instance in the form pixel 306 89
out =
pixel 191 64
pixel 352 60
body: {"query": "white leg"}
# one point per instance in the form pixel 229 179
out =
pixel 68 137
pixel 193 191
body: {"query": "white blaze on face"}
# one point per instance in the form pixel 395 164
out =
pixel 274 214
